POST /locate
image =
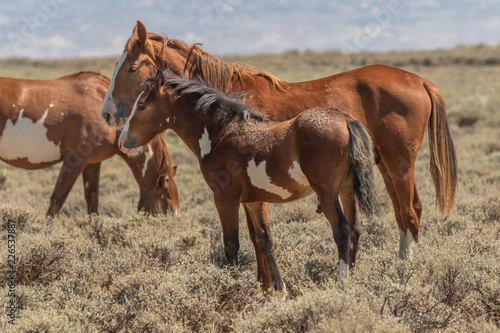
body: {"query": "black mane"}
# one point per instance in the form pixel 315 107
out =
pixel 224 105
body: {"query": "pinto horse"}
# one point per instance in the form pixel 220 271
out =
pixel 396 107
pixel 44 122
pixel 320 151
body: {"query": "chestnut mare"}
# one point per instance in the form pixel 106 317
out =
pixel 44 122
pixel 396 106
pixel 320 151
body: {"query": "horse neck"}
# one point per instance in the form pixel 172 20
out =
pixel 191 124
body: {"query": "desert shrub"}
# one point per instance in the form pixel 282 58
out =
pixel 317 311
pixel 41 262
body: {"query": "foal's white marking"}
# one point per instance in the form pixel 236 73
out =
pixel 406 244
pixel 28 139
pixel 343 270
pixel 109 103
pixel 148 155
pixel 260 179
pixel 205 144
pixel 124 133
pixel 168 120
pixel 51 105
pixel 296 173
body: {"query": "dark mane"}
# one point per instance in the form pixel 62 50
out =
pixel 215 72
pixel 227 105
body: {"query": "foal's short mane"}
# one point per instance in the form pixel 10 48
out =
pixel 215 72
pixel 226 105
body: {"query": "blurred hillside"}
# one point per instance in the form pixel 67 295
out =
pixel 290 66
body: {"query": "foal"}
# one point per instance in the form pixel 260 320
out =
pixel 44 122
pixel 246 159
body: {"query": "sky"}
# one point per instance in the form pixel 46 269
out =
pixel 71 28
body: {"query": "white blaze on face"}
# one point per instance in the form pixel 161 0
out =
pixel 109 103
pixel 260 179
pixel 296 173
pixel 406 244
pixel 148 154
pixel 124 134
pixel 205 144
pixel 28 139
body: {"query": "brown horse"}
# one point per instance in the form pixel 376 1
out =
pixel 396 106
pixel 319 151
pixel 44 122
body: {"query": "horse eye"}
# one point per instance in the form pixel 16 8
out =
pixel 132 69
pixel 141 107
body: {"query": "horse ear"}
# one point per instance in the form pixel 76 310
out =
pixel 175 169
pixel 141 32
pixel 139 42
pixel 159 80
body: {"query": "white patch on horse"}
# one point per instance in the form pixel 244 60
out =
pixel 167 119
pixel 343 269
pixel 260 179
pixel 148 155
pixel 86 184
pixel 205 144
pixel 296 173
pixel 28 139
pixel 406 244
pixel 109 102
pixel 51 105
pixel 13 105
pixel 124 133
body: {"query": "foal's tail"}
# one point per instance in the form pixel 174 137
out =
pixel 444 163
pixel 362 162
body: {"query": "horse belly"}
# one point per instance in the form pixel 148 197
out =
pixel 26 142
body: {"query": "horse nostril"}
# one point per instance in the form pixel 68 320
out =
pixel 107 116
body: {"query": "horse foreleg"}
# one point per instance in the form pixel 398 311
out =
pixel 262 270
pixel 65 181
pixel 90 177
pixel 265 244
pixel 228 213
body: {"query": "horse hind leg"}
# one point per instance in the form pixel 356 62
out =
pixel 406 204
pixel 351 213
pixel 341 232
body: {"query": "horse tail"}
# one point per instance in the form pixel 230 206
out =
pixel 443 158
pixel 362 161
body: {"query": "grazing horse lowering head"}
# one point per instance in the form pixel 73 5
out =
pixel 155 177
pixel 135 65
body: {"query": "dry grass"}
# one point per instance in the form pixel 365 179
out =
pixel 122 271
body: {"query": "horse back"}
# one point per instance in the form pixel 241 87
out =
pixel 41 119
